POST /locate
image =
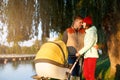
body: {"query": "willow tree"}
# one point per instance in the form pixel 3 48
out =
pixel 19 19
pixel 23 17
pixel 54 15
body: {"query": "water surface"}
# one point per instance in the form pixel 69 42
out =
pixel 22 70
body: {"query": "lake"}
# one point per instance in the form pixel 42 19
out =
pixel 21 70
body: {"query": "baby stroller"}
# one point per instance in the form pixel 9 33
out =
pixel 51 61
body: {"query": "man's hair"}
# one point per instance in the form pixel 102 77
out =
pixel 78 17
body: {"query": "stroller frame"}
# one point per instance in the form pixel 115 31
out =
pixel 80 58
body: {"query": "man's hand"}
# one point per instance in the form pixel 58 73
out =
pixel 77 54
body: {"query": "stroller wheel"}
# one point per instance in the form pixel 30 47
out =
pixel 40 78
pixel 68 75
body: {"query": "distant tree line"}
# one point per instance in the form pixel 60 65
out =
pixel 17 49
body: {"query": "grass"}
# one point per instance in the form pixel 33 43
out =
pixel 102 69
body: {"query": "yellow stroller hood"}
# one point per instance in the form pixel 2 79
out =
pixel 53 52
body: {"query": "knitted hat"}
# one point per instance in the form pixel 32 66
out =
pixel 88 20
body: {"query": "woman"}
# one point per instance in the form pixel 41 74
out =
pixel 89 50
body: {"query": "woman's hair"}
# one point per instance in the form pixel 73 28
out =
pixel 89 25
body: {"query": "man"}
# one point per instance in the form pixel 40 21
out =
pixel 73 38
pixel 89 50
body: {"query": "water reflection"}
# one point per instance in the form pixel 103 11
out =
pixel 21 70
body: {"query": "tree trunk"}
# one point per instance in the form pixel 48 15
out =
pixel 113 44
pixel 114 54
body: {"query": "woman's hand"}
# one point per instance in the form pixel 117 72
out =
pixel 77 54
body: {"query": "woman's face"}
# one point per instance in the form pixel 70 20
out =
pixel 84 25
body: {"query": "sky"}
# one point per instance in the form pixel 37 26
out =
pixel 3 33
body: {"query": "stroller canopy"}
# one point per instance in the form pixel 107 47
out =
pixel 52 52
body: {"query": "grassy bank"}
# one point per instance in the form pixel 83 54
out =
pixel 102 69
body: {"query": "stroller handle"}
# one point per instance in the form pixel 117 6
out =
pixel 70 72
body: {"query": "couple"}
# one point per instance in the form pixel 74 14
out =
pixel 81 39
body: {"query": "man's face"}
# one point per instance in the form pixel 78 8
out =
pixel 78 23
